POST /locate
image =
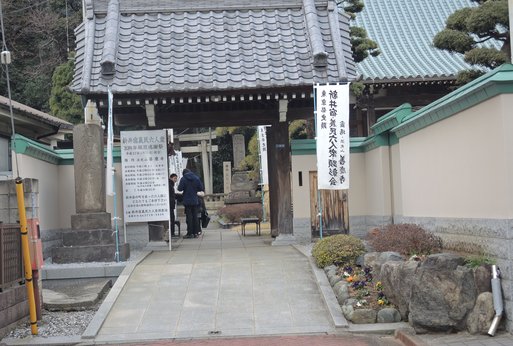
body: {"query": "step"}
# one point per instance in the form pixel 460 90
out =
pixel 85 237
pixel 89 253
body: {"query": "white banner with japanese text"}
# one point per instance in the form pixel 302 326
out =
pixel 145 176
pixel 262 143
pixel 332 122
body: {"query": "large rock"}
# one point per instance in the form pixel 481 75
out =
pixel 377 259
pixel 397 279
pixel 347 309
pixel 483 278
pixel 341 291
pixel 480 319
pixel 388 315
pixel 443 293
pixel 361 316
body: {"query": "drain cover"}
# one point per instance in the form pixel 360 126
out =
pixel 214 332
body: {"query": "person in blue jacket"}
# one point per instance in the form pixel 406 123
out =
pixel 190 185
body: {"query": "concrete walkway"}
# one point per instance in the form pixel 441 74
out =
pixel 221 284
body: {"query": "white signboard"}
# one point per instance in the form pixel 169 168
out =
pixel 262 142
pixel 332 122
pixel 145 178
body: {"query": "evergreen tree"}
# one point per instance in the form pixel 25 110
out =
pixel 361 44
pixel 468 27
pixel 63 103
pixel 38 34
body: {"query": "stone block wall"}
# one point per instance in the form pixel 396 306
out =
pixel 13 307
pixel 9 201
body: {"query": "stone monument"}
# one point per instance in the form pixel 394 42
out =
pixel 91 238
pixel 242 189
pixel 239 150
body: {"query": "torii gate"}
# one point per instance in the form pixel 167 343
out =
pixel 204 147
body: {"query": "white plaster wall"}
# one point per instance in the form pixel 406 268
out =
pixel 46 174
pixel 462 166
pixel 301 194
pixel 396 181
pixel 357 185
pixel 66 195
pixel 377 179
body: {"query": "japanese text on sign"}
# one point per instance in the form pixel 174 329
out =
pixel 332 116
pixel 145 176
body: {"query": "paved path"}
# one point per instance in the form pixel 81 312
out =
pixel 221 284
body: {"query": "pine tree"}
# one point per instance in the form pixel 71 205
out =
pixel 468 27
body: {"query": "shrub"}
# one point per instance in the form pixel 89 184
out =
pixel 337 249
pixel 474 261
pixel 233 212
pixel 407 239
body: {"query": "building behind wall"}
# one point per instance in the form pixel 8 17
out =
pixel 446 167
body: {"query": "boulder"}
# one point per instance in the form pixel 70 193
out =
pixel 330 268
pixel 361 316
pixel 334 278
pixel 341 291
pixel 347 309
pixel 443 293
pixel 483 278
pixel 397 279
pixel 388 315
pixel 443 261
pixel 480 319
pixel 377 259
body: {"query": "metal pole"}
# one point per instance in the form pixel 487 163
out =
pixel 26 256
pixel 116 230
pixel 210 160
pixel 510 12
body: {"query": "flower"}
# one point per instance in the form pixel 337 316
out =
pixel 381 302
pixel 349 279
pixel 378 286
pixel 361 302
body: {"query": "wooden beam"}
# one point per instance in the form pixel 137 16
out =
pixel 279 184
pixel 187 137
pixel 197 148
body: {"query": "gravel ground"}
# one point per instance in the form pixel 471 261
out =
pixel 56 323
pixel 62 323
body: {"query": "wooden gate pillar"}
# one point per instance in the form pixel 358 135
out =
pixel 279 179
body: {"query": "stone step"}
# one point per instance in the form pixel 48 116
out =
pixel 90 253
pixel 83 237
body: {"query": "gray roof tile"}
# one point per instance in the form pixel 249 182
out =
pixel 179 50
pixel 404 31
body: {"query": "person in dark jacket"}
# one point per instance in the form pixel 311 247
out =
pixel 190 185
pixel 172 201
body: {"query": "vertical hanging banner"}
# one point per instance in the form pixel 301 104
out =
pixel 262 143
pixel 332 126
pixel 145 175
pixel 176 164
pixel 109 171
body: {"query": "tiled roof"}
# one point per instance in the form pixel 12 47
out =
pixel 35 114
pixel 404 31
pixel 170 46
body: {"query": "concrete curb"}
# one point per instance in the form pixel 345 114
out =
pixel 334 309
pixel 408 339
pixel 100 316
pixel 37 340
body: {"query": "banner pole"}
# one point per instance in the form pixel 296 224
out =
pixel 319 200
pixel 169 230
